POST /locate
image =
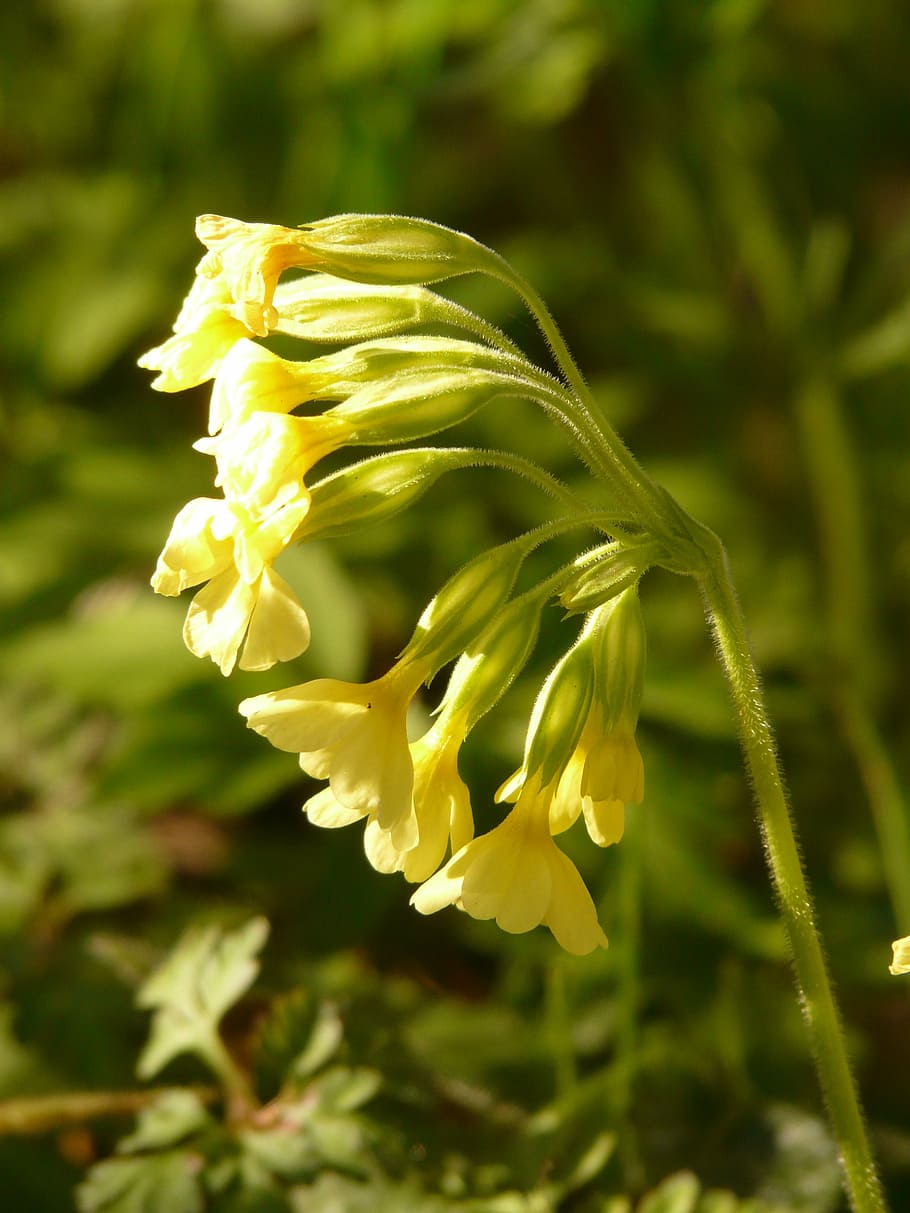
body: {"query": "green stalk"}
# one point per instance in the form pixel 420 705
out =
pixel 837 501
pixel 28 1114
pixel 794 900
pixel 610 457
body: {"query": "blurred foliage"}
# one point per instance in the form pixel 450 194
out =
pixel 715 200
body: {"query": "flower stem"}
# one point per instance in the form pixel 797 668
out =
pixel 43 1113
pixel 795 902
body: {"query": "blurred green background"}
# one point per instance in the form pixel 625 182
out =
pixel 714 198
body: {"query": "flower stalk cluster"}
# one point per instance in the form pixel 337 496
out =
pixel 390 380
pixel 362 285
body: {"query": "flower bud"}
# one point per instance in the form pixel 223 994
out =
pixel 388 249
pixel 377 488
pixel 559 713
pixel 620 567
pixel 321 308
pixel 492 661
pixel 619 657
pixel 415 404
pixel 467 602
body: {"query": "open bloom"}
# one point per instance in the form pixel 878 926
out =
pixel 246 608
pixel 604 812
pixel 442 808
pixel 518 876
pixel 205 330
pixel 262 461
pixel 250 258
pixel 354 735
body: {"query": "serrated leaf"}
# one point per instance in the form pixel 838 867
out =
pixel 160 1183
pixel 206 973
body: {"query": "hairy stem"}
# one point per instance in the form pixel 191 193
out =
pixel 794 900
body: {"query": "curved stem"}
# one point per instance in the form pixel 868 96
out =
pixel 657 511
pixel 794 900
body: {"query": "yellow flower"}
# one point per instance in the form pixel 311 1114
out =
pixel 250 258
pixel 604 813
pixel 442 808
pixel 252 379
pixel 353 734
pixel 900 962
pixel 246 605
pixel 262 462
pixel 204 333
pixel 518 876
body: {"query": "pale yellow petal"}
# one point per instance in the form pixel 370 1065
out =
pixel 327 812
pixel 605 820
pixel 571 915
pixel 443 889
pixel 308 717
pixel 900 961
pixel 217 619
pixel 192 553
pixel 279 629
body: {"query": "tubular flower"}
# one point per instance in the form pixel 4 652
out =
pixel 354 735
pixel 517 875
pixel 250 258
pixel 603 811
pixel 246 605
pixel 262 462
pixel 442 807
pixel 251 379
pixel 205 331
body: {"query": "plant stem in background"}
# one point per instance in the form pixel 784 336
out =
pixel 816 996
pixel 836 497
pixel 45 1113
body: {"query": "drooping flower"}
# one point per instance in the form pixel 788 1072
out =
pixel 205 331
pixel 604 813
pixel 517 875
pixel 250 258
pixel 442 807
pixel 262 461
pixel 354 735
pixel 246 608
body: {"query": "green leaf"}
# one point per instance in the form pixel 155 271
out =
pixel 677 1194
pixel 161 1183
pixel 171 1119
pixel 207 972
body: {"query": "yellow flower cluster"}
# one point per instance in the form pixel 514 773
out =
pixel 363 288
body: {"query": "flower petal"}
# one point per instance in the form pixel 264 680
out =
pixel 279 629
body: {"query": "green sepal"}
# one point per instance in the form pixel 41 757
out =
pixel 377 488
pixel 390 249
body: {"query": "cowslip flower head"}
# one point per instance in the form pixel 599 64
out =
pixel 205 331
pixel 262 462
pixel 247 609
pixel 517 875
pixel 900 960
pixel 354 735
pixel 249 258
